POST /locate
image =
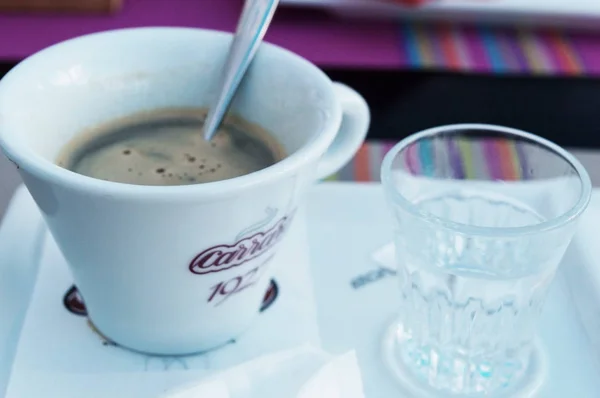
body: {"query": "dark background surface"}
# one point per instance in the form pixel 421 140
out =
pixel 564 110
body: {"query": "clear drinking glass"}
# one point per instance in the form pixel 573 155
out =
pixel 483 215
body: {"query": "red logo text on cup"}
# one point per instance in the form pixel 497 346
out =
pixel 222 257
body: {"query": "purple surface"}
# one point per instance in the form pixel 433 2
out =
pixel 321 39
pixel 588 47
pixel 479 58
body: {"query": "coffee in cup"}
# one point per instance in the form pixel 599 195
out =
pixel 166 147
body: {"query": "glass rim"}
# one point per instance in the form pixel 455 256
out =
pixel 556 222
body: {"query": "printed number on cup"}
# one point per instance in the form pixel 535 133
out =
pixel 225 289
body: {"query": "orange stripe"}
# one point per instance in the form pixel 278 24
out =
pixel 448 49
pixel 425 46
pixel 361 164
pixel 565 54
pixel 506 153
pixel 533 53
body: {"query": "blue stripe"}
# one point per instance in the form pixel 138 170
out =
pixel 426 157
pixel 493 51
pixel 412 46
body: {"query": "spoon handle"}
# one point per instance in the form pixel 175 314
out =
pixel 252 26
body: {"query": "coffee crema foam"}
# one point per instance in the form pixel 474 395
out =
pixel 166 147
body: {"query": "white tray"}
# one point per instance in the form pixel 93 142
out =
pixel 578 14
pixel 347 306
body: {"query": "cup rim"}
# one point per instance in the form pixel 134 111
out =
pixel 45 169
pixel 570 215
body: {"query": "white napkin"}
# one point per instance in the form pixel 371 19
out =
pixel 305 372
pixel 385 256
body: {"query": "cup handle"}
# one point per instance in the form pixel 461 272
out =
pixel 352 132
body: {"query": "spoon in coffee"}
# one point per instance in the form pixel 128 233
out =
pixel 252 26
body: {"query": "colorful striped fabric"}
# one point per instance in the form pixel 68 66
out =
pixel 495 159
pixel 499 50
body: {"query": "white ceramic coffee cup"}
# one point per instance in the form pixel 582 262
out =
pixel 177 269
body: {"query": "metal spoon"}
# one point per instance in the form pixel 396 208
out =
pixel 252 26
